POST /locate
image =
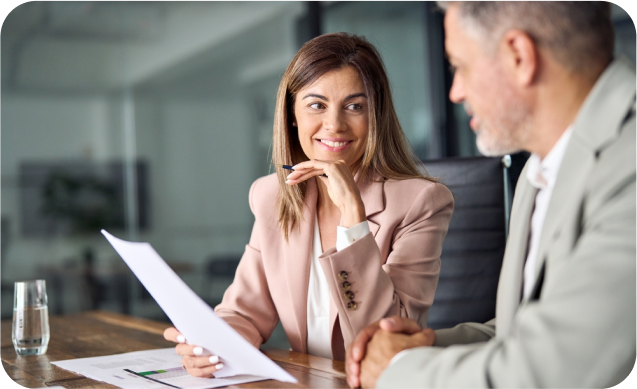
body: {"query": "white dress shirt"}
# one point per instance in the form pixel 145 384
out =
pixel 319 339
pixel 542 174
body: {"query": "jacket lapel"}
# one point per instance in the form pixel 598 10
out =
pixel 596 125
pixel 298 263
pixel 510 283
pixel 565 199
pixel 373 196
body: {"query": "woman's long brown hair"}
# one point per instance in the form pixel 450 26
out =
pixel 387 153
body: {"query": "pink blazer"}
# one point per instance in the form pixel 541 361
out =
pixel 392 271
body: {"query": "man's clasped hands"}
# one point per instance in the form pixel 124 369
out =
pixel 376 345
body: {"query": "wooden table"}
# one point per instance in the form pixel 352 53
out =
pixel 97 333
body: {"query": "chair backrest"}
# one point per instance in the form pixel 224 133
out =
pixel 222 266
pixel 474 247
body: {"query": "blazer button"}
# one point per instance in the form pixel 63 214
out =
pixel 346 285
pixel 352 305
pixel 349 295
pixel 342 275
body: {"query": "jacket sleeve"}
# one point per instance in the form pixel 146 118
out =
pixel 402 284
pixel 247 305
pixel 465 333
pixel 580 333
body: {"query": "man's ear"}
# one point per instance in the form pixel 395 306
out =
pixel 520 55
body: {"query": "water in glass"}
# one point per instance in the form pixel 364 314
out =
pixel 30 333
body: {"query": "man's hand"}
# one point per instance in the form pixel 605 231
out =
pixel 384 346
pixel 357 350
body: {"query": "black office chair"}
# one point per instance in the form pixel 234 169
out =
pixel 474 247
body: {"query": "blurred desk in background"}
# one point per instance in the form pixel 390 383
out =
pixel 97 333
pixel 83 286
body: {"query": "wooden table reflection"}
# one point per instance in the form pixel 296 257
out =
pixel 97 333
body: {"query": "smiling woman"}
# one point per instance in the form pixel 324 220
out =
pixel 356 230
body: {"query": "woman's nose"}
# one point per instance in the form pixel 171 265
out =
pixel 333 121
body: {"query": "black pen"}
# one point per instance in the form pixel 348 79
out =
pixel 288 167
pixel 152 379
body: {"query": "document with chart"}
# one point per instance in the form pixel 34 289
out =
pixel 151 369
pixel 193 317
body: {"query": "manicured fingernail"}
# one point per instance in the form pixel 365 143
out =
pixel 197 350
pixel 213 359
pixel 181 339
pixel 287 181
pixel 219 366
pixel 289 175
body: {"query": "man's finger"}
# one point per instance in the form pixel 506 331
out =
pixel 426 337
pixel 353 372
pixel 360 343
pixel 399 325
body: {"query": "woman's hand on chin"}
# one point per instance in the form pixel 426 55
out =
pixel 341 187
pixel 193 358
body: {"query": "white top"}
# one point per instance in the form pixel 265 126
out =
pixel 319 339
pixel 542 174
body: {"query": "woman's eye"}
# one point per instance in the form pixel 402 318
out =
pixel 355 107
pixel 316 105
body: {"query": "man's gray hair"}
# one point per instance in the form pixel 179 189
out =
pixel 579 34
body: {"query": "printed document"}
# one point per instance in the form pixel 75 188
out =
pixel 193 317
pixel 151 369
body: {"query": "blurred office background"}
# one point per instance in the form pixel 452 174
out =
pixel 152 119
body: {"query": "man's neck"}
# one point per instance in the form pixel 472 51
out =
pixel 559 98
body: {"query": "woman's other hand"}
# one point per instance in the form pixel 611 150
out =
pixel 341 187
pixel 193 359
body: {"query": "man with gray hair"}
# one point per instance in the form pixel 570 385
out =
pixel 540 77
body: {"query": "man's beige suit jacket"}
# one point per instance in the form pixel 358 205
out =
pixel 577 329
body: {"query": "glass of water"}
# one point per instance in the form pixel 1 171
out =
pixel 30 334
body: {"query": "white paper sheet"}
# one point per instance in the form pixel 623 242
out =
pixel 192 316
pixel 163 365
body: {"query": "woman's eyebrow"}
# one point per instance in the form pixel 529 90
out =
pixel 355 95
pixel 315 95
pixel 352 96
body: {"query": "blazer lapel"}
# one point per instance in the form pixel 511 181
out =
pixel 298 263
pixel 569 186
pixel 510 283
pixel 596 125
pixel 373 196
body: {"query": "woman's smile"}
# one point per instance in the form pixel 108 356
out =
pixel 334 144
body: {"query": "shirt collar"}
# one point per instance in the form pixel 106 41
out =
pixel 542 173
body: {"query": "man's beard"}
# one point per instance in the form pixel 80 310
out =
pixel 507 133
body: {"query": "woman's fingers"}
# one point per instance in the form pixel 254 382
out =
pixel 173 335
pixel 196 363
pixel 300 176
pixel 189 350
pixel 201 362
pixel 204 366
